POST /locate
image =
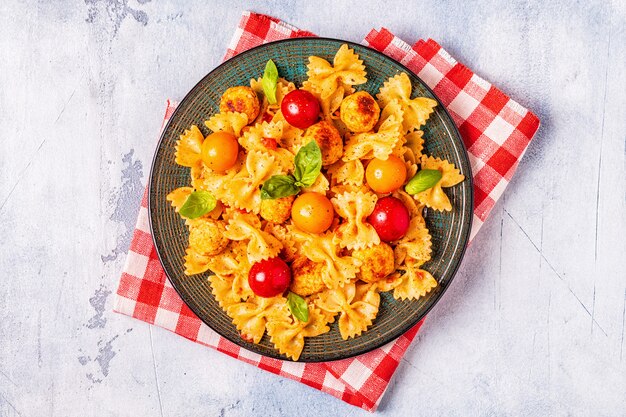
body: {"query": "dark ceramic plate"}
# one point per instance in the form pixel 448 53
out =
pixel 450 231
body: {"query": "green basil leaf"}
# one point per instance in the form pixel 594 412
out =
pixel 279 186
pixel 298 307
pixel 198 204
pixel 269 82
pixel 308 164
pixel 423 180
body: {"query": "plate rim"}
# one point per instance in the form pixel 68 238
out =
pixel 383 340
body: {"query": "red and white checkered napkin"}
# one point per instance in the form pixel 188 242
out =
pixel 496 131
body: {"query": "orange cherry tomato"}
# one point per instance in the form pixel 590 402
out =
pixel 220 151
pixel 312 212
pixel 386 175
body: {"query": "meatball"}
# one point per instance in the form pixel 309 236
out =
pixel 241 100
pixel 278 210
pixel 359 112
pixel 378 262
pixel 207 236
pixel 306 276
pixel 328 139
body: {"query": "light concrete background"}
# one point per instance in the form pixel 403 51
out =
pixel 532 325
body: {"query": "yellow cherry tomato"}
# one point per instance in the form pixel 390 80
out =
pixel 312 212
pixel 220 151
pixel 385 175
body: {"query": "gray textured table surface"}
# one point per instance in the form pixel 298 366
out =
pixel 532 325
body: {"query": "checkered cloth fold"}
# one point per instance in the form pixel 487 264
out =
pixel 496 131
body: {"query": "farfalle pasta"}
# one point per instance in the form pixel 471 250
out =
pixel 338 269
pixel 189 146
pixel 282 215
pixel 230 122
pixel 416 111
pixel 357 304
pixel 247 227
pixel 379 144
pixel 288 336
pixel 435 197
pixel 355 232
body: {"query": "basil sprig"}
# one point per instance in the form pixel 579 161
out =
pixel 279 186
pixel 298 307
pixel 423 180
pixel 270 81
pixel 308 165
pixel 198 204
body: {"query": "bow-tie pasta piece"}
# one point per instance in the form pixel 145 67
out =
pixel 346 71
pixel 389 283
pixel 355 232
pixel 411 151
pixel 229 122
pixel 378 144
pixel 357 303
pixel 349 188
pixel 195 262
pixel 415 244
pixel 243 190
pixel 292 137
pixel 332 103
pixel 288 337
pixel 416 110
pixel 414 283
pixel 351 172
pixel 230 290
pixel 205 179
pixel 251 316
pixel 298 237
pixel 189 147
pixel 266 137
pixel 415 142
pixel 435 197
pixel 247 227
pixel 260 136
pixel 232 261
pixel 286 239
pixel 338 269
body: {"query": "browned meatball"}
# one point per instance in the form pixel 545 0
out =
pixel 306 276
pixel 359 112
pixel 207 236
pixel 378 262
pixel 241 100
pixel 278 210
pixel 328 139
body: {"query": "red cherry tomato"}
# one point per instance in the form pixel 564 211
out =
pixel 269 277
pixel 270 143
pixel 390 219
pixel 267 117
pixel 300 108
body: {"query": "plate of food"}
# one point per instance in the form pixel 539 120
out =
pixel 310 199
